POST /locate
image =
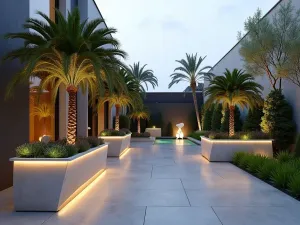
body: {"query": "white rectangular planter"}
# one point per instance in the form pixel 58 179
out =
pixel 48 184
pixel 154 132
pixel 223 150
pixel 117 144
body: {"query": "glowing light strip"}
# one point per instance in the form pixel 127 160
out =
pixel 74 199
pixel 124 153
pixel 236 141
pixel 114 137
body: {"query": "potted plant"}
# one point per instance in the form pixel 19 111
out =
pixel 119 141
pixel 48 176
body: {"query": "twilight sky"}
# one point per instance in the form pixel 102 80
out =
pixel 158 32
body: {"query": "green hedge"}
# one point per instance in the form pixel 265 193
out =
pixel 196 135
pixel 58 149
pixel 283 172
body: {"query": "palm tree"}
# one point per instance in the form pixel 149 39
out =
pixel 73 72
pixel 43 111
pixel 143 76
pixel 190 71
pixel 138 114
pixel 88 39
pixel 235 88
pixel 126 94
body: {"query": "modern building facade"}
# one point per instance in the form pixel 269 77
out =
pixel 19 119
pixel 174 108
pixel 232 60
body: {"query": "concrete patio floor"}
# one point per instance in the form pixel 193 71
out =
pixel 167 185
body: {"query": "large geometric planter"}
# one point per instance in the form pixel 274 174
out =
pixel 48 184
pixel 223 150
pixel 154 132
pixel 117 144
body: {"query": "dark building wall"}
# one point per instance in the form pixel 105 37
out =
pixel 174 113
pixel 14 113
pixel 175 107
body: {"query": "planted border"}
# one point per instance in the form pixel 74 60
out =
pixel 282 172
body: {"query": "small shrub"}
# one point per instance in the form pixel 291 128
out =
pixel 237 157
pixel 297 146
pixel 295 163
pixel 62 141
pixel 257 163
pixel 282 175
pixel 294 185
pixel 110 132
pixel 284 156
pixel 25 151
pixel 258 135
pixel 264 172
pixel 136 134
pixel 94 141
pixel 244 161
pixel 56 151
pixel 82 145
pixel 71 150
pixel 125 130
pixel 32 150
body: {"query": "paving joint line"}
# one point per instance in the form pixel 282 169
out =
pixel 145 216
pixel 185 193
pixel 216 215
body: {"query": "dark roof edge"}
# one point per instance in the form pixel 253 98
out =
pixel 247 33
pixel 100 14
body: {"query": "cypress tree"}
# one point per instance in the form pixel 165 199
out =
pixel 278 120
pixel 216 118
pixel 207 118
pixel 253 119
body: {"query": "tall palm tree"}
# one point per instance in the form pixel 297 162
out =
pixel 73 72
pixel 43 111
pixel 138 114
pixel 190 71
pixel 126 94
pixel 235 88
pixel 143 76
pixel 88 39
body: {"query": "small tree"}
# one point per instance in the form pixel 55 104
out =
pixel 235 88
pixel 208 114
pixel 264 48
pixel 216 118
pixel 138 114
pixel 278 120
pixel 253 119
pixel 237 120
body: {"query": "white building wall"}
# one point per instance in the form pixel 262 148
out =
pixel 233 60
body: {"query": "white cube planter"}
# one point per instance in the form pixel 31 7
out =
pixel 223 150
pixel 48 184
pixel 154 132
pixel 117 144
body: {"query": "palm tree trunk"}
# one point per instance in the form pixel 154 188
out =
pixel 231 120
pixel 196 108
pixel 117 122
pixel 139 125
pixel 72 117
pixel 45 128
